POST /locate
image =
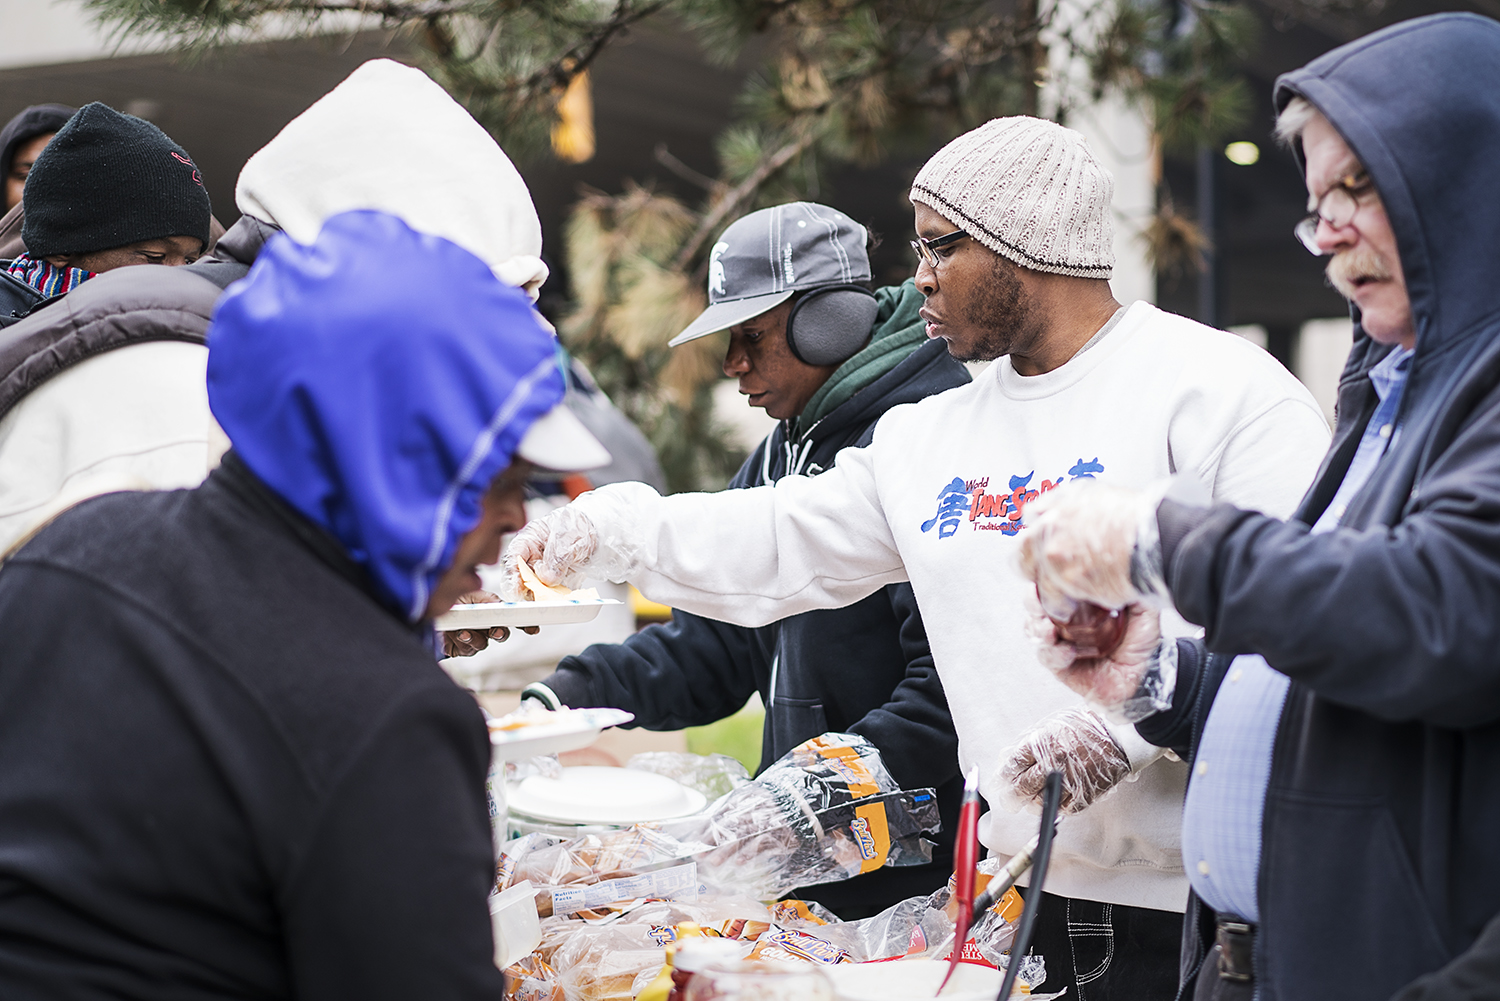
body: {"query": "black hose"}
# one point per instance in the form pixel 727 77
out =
pixel 1051 797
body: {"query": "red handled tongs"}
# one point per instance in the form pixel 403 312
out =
pixel 965 858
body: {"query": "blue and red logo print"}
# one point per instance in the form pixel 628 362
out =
pixel 962 499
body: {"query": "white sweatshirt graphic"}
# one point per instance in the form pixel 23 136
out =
pixel 938 498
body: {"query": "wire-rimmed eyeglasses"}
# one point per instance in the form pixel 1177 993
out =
pixel 1337 208
pixel 927 249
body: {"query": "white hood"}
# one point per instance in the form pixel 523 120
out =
pixel 389 138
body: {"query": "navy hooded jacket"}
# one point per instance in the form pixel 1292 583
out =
pixel 1382 815
pixel 232 765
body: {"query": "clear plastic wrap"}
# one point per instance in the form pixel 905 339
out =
pixel 714 775
pixel 550 862
pixel 614 956
pixel 826 811
pixel 604 963
pixel 1075 743
pixel 532 979
pixel 545 765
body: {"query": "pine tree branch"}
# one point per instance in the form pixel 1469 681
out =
pixel 731 200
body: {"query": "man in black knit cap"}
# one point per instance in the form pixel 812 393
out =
pixel 108 191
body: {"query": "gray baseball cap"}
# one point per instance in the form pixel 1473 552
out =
pixel 768 255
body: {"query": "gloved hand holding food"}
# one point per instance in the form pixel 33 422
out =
pixel 561 549
pixel 554 550
pixel 1132 681
pixel 1074 742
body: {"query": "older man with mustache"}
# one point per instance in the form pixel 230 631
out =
pixel 1342 715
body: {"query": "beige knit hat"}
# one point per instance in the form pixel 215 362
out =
pixel 1028 189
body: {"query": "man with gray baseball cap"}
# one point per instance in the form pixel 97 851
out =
pixel 814 346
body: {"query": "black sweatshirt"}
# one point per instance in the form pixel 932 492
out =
pixel 863 669
pixel 228 771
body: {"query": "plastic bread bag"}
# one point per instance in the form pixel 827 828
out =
pixel 614 962
pixel 603 964
pixel 532 979
pixel 826 811
pixel 549 861
pixel 793 913
pixel 913 928
pixel 713 775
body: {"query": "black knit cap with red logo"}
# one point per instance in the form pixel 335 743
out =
pixel 107 180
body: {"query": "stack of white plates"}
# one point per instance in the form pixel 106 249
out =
pixel 589 800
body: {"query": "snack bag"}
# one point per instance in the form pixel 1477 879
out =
pixel 826 811
pixel 792 913
pixel 786 945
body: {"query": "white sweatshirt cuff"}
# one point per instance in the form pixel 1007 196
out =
pixel 1138 749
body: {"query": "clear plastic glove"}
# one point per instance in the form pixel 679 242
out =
pixel 1134 681
pixel 558 548
pixel 1074 742
pixel 1080 545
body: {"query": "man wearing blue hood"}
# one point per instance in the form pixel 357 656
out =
pixel 233 767
pixel 1342 713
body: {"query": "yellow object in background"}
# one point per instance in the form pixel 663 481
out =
pixel 647 611
pixel 573 133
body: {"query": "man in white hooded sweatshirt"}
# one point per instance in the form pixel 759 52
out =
pixel 105 389
pixel 1016 251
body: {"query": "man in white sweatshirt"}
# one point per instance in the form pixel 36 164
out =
pixel 1016 253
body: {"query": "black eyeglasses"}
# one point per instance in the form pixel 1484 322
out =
pixel 1337 208
pixel 926 249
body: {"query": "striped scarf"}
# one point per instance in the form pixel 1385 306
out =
pixel 48 279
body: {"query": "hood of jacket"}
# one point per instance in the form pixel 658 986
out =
pixel 380 401
pixel 1419 104
pixel 389 138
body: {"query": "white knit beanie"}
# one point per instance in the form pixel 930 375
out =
pixel 1028 189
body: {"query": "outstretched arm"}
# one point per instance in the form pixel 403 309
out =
pixel 749 557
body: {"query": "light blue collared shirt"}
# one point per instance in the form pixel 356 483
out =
pixel 1226 798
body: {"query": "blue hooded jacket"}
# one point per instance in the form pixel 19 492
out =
pixel 1382 814
pixel 377 381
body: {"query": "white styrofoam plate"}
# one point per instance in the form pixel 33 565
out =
pixel 487 615
pixel 589 794
pixel 552 733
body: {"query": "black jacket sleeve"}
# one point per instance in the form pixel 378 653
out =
pixel 1398 621
pixel 1473 976
pixel 913 729
pixel 390 899
pixel 687 672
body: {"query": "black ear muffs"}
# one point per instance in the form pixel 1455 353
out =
pixel 829 325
